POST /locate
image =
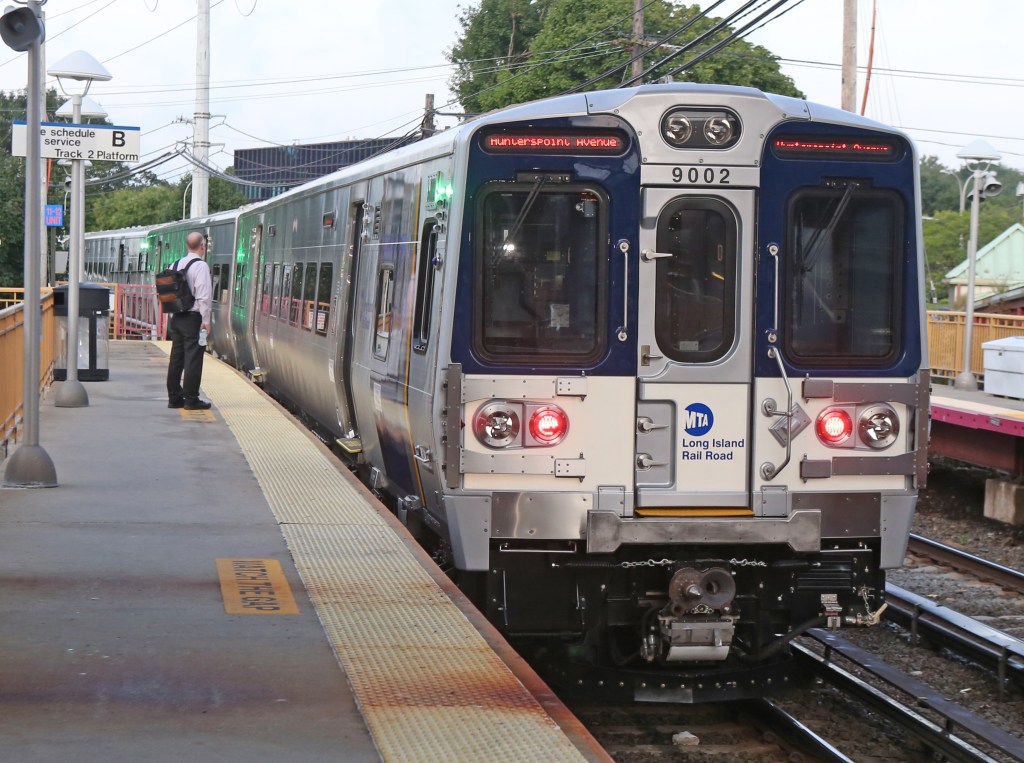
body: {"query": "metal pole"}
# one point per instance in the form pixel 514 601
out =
pixel 30 465
pixel 850 55
pixel 201 125
pixel 966 380
pixel 72 394
pixel 638 35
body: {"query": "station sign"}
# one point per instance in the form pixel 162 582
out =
pixel 53 214
pixel 66 140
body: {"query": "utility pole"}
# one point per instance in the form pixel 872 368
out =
pixel 638 36
pixel 849 56
pixel 201 123
pixel 427 127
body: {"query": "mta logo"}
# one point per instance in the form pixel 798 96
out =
pixel 699 419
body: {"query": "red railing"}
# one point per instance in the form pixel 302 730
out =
pixel 136 313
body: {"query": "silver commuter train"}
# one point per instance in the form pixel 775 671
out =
pixel 647 364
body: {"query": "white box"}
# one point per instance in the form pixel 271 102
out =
pixel 1004 367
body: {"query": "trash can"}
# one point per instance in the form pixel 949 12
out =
pixel 93 332
pixel 1004 366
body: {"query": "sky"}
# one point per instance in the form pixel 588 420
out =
pixel 307 71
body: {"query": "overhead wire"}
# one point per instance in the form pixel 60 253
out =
pixel 639 56
pixel 728 40
pixel 715 28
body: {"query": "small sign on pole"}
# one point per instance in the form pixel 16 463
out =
pixel 54 215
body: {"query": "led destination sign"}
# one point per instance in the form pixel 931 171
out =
pixel 840 148
pixel 608 143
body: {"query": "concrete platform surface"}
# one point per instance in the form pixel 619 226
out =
pixel 116 642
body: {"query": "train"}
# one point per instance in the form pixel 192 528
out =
pixel 644 368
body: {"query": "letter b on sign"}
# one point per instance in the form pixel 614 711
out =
pixel 118 139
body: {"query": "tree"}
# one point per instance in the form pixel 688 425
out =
pixel 152 201
pixel 512 51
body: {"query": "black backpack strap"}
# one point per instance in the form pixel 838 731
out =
pixel 185 269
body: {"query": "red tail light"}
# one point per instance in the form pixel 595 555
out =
pixel 834 426
pixel 548 425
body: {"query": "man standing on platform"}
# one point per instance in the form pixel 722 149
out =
pixel 184 328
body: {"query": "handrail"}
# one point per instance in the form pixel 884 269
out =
pixel 12 363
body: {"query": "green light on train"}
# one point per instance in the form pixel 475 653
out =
pixel 442 191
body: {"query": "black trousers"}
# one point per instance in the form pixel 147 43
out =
pixel 186 358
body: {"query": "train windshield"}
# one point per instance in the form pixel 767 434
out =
pixel 843 276
pixel 541 275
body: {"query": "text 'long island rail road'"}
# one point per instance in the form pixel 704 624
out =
pixel 63 140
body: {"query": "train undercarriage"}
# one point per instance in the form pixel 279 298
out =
pixel 652 626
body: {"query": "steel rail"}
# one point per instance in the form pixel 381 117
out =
pixel 982 568
pixel 792 732
pixel 939 737
pixel 988 646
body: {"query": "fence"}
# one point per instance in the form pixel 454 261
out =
pixel 12 362
pixel 946 340
pixel 136 313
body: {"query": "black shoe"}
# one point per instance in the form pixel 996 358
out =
pixel 176 404
pixel 198 405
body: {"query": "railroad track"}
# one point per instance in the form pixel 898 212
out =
pixel 984 570
pixel 938 723
pixel 757 731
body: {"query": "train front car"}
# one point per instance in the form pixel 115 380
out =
pixel 686 415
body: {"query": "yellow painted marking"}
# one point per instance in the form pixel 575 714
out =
pixel 255 587
pixel 206 415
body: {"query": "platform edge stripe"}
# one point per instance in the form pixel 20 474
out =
pixel 403 714
pixel 440 674
pixel 299 485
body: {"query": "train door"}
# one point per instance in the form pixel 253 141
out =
pixel 346 331
pixel 247 291
pixel 694 366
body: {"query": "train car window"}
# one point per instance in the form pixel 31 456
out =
pixel 843 276
pixel 295 306
pixel 541 275
pixel 385 295
pixel 695 295
pixel 268 284
pixel 425 285
pixel 286 291
pixel 323 298
pixel 309 297
pixel 215 272
pixel 275 292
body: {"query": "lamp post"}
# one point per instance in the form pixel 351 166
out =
pixel 30 465
pixel 978 155
pixel 183 195
pixel 83 68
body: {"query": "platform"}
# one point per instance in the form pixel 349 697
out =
pixel 215 586
pixel 978 428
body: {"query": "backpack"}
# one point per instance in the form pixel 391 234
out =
pixel 172 289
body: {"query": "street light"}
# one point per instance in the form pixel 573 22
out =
pixel 30 465
pixel 183 195
pixel 82 68
pixel 977 155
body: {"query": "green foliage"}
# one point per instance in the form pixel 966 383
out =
pixel 512 51
pixel 946 230
pixel 155 202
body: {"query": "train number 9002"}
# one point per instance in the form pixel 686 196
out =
pixel 701 175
